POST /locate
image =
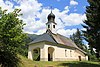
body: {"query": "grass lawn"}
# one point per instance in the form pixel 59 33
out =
pixel 28 63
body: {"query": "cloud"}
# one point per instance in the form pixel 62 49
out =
pixel 6 5
pixel 83 29
pixel 67 32
pixel 33 10
pixel 73 19
pixel 17 1
pixel 30 10
pixel 40 31
pixel 73 2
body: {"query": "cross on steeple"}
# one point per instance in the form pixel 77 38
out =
pixel 51 9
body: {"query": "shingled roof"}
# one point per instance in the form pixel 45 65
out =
pixel 43 37
pixel 55 38
pixel 64 40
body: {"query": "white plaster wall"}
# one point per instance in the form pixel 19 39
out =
pixel 53 30
pixel 59 53
pixel 33 46
pixel 83 56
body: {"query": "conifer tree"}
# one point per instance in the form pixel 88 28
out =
pixel 78 39
pixel 92 25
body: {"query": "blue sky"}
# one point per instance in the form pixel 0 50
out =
pixel 60 4
pixel 70 14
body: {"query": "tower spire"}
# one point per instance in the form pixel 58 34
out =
pixel 51 9
pixel 51 25
pixel 51 16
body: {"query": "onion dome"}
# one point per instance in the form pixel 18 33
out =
pixel 51 15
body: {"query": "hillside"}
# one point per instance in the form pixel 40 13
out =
pixel 30 38
pixel 28 63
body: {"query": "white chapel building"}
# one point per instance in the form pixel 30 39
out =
pixel 52 46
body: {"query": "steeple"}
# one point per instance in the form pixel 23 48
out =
pixel 51 25
pixel 51 17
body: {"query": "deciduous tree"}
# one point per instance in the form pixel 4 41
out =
pixel 11 37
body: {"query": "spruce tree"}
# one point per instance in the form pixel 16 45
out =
pixel 92 25
pixel 78 39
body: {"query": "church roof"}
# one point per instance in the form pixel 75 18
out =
pixel 55 38
pixel 43 37
pixel 64 40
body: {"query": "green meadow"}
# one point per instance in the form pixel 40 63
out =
pixel 28 63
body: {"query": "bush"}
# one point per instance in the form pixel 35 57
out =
pixel 8 57
pixel 92 58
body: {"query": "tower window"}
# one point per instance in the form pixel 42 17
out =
pixel 48 26
pixel 53 26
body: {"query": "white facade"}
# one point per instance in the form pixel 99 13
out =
pixel 52 27
pixel 56 53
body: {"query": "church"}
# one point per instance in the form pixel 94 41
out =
pixel 52 46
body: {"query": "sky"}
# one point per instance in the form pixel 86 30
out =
pixel 69 14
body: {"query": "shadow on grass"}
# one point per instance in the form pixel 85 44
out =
pixel 79 64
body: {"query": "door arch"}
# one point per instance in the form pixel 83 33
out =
pixel 36 54
pixel 50 53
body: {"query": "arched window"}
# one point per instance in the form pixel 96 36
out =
pixel 53 26
pixel 36 51
pixel 36 54
pixel 48 26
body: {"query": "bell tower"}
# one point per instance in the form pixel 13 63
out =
pixel 51 25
